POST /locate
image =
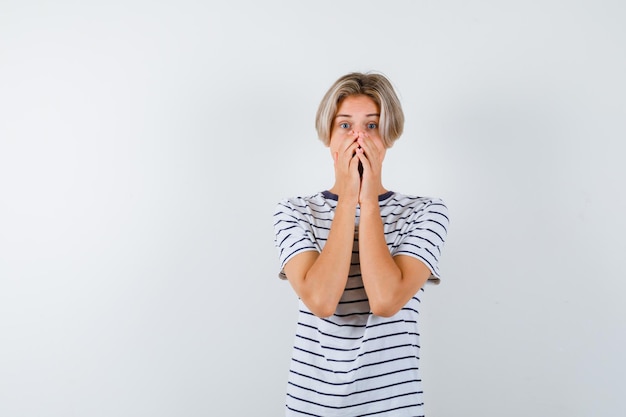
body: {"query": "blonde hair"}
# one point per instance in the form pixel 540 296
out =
pixel 373 85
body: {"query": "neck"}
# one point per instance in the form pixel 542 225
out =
pixel 335 189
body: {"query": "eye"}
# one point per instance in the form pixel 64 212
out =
pixel 344 125
pixel 372 125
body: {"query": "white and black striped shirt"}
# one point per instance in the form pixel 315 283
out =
pixel 354 363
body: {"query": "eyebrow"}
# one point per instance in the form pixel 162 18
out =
pixel 367 115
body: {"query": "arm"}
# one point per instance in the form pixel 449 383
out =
pixel 319 279
pixel 390 282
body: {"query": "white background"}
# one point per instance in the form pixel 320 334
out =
pixel 145 144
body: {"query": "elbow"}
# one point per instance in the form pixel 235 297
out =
pixel 322 311
pixel 383 309
pixel 321 307
pixel 384 312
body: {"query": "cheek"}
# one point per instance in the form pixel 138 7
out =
pixel 377 139
pixel 339 138
pixel 380 144
pixel 333 146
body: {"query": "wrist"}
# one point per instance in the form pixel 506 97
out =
pixel 347 203
pixel 370 205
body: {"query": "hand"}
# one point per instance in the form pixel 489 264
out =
pixel 346 161
pixel 371 152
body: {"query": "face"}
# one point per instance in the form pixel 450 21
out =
pixel 356 116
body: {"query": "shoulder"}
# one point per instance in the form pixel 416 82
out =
pixel 303 205
pixel 414 204
pixel 303 200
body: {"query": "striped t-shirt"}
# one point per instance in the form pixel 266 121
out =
pixel 354 363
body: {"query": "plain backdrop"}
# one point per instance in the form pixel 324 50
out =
pixel 145 144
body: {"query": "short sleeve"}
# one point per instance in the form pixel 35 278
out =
pixel 424 234
pixel 292 233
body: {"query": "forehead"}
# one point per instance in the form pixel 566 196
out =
pixel 355 105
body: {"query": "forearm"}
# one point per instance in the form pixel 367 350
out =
pixel 381 275
pixel 325 281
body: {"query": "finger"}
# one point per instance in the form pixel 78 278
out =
pixel 374 149
pixel 367 143
pixel 368 151
pixel 348 158
pixel 362 157
pixel 347 141
pixel 351 150
pixel 356 157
